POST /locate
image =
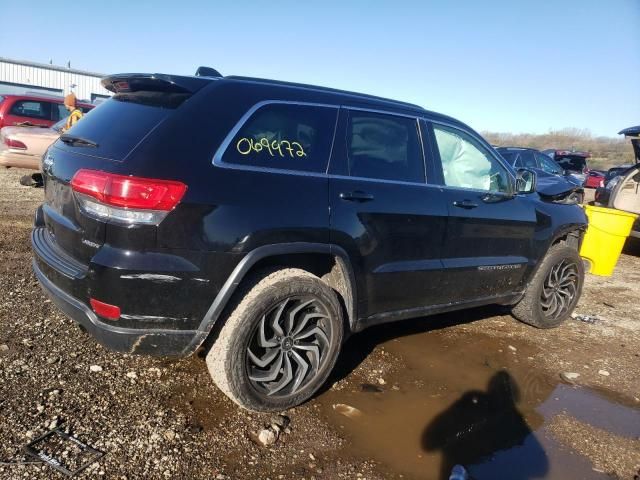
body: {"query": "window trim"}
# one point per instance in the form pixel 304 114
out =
pixel 218 162
pixel 482 142
pixel 217 157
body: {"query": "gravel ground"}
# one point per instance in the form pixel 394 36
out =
pixel 159 418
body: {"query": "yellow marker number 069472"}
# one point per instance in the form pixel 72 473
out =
pixel 283 147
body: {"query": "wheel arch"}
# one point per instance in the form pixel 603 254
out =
pixel 327 261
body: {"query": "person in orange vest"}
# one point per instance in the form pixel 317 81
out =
pixel 76 114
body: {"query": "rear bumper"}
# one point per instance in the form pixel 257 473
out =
pixel 147 341
pixel 19 160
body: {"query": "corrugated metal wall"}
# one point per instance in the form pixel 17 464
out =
pixel 38 76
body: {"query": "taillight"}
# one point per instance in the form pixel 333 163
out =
pixel 110 312
pixel 124 199
pixel 12 143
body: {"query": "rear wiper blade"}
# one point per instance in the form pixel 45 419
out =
pixel 77 141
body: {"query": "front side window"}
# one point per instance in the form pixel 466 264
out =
pixel 285 136
pixel 384 147
pixel 31 109
pixel 468 164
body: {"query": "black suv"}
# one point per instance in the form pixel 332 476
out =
pixel 263 222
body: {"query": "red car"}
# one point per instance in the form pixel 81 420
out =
pixel 595 179
pixel 34 110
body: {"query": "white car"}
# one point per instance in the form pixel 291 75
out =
pixel 23 147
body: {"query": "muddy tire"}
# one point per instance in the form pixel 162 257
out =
pixel 554 290
pixel 280 341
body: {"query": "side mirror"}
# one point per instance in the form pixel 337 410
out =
pixel 526 181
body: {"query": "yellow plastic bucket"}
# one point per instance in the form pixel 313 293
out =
pixel 602 244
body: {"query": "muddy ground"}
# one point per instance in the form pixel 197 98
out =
pixel 476 388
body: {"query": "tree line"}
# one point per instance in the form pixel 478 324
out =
pixel 606 152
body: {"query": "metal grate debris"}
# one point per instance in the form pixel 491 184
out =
pixel 63 451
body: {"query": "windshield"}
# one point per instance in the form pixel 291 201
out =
pixel 58 125
pixel 575 163
pixel 548 165
pixel 121 122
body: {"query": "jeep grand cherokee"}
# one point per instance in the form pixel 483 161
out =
pixel 265 221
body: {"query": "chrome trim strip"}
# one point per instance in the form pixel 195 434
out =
pixel 217 157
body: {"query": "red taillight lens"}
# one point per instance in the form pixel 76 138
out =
pixel 129 192
pixel 11 143
pixel 105 310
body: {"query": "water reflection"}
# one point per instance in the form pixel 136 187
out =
pixel 481 423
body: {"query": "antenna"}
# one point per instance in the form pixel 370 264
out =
pixel 207 72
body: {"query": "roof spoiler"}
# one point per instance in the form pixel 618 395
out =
pixel 153 82
pixel 630 132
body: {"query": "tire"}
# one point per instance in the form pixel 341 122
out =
pixel 269 322
pixel 536 308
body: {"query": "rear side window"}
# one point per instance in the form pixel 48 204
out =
pixel 385 147
pixel 32 109
pixel 285 136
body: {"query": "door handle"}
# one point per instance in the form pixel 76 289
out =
pixel 467 204
pixel 357 196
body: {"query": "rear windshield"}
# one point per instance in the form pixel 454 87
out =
pixel 120 123
pixel 574 163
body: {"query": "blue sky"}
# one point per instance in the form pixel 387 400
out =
pixel 511 66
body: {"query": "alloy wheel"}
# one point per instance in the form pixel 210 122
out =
pixel 559 289
pixel 289 346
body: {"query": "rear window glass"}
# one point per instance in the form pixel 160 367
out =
pixel 31 109
pixel 571 162
pixel 285 136
pixel 119 124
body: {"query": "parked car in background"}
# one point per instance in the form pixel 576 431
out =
pixel 595 179
pixel 306 214
pixel 552 179
pixel 34 110
pixel 615 171
pixel 23 147
pixel 617 174
pixel 573 162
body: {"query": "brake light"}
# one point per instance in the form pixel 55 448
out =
pixel 12 143
pixel 110 312
pixel 126 199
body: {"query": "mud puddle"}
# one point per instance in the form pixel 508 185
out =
pixel 471 400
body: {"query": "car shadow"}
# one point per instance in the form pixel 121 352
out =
pixel 481 424
pixel 359 346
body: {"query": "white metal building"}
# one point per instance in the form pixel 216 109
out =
pixel 18 76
